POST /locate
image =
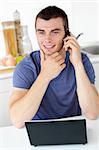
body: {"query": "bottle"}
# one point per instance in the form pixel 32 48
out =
pixel 16 16
pixel 10 38
pixel 26 42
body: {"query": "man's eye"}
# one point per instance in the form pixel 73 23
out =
pixel 55 32
pixel 41 33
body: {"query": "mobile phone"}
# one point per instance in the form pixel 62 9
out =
pixel 67 33
pixel 67 52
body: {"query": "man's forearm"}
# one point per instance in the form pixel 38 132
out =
pixel 87 95
pixel 26 107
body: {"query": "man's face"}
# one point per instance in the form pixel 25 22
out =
pixel 50 34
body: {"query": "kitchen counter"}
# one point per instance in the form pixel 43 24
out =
pixel 6 72
pixel 17 139
pixel 6 75
pixel 93 58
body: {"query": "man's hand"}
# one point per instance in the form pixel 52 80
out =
pixel 52 66
pixel 71 44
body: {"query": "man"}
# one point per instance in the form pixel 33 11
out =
pixel 57 81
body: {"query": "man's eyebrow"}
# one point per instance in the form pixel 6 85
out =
pixel 41 30
pixel 57 29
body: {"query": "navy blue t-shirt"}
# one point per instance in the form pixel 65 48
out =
pixel 60 99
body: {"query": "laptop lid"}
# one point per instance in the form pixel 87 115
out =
pixel 57 132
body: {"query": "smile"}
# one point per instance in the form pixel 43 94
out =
pixel 49 46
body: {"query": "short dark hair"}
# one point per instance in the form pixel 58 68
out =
pixel 53 12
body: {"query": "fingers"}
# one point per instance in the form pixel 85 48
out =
pixel 72 37
pixel 42 56
pixel 60 62
pixel 58 58
pixel 71 42
pixel 55 55
pixel 62 67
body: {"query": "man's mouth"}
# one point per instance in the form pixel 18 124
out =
pixel 49 47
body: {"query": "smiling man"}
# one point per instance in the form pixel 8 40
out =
pixel 50 35
pixel 53 82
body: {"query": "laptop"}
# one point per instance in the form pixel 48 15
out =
pixel 53 132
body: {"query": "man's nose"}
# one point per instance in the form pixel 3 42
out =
pixel 48 37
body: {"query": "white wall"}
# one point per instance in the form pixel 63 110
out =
pixel 28 10
pixel 98 19
pixel 83 17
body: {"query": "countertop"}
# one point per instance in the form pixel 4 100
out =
pixel 17 139
pixel 93 58
pixel 6 72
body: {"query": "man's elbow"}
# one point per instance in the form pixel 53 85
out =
pixel 92 116
pixel 19 125
pixel 15 120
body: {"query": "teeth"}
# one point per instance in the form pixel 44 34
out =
pixel 48 46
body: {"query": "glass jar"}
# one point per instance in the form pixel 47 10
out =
pixel 26 43
pixel 16 16
pixel 10 37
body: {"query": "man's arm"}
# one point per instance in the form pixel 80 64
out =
pixel 87 93
pixel 25 103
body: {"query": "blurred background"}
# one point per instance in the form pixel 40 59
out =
pixel 83 17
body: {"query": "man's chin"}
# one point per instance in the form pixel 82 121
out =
pixel 48 52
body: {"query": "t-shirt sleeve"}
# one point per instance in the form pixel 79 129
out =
pixel 24 75
pixel 88 68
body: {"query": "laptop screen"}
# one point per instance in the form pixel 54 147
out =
pixel 57 132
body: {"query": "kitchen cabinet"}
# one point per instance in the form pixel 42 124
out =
pixel 5 91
